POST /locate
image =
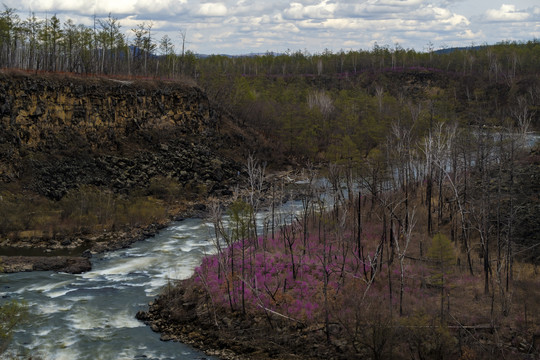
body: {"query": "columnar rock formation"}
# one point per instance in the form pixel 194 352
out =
pixel 60 132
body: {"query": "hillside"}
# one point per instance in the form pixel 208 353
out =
pixel 84 156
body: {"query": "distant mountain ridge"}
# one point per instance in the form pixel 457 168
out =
pixel 461 48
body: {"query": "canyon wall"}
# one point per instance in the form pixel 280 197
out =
pixel 59 132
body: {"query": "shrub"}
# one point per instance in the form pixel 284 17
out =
pixel 144 210
pixel 12 313
pixel 164 188
pixel 426 338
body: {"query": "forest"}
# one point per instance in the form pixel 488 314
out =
pixel 422 241
pixel 306 101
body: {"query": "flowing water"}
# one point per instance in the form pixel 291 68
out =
pixel 92 315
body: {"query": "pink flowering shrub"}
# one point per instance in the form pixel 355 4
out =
pixel 270 282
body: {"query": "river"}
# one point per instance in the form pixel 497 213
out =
pixel 92 315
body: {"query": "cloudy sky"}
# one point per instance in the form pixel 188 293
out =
pixel 245 26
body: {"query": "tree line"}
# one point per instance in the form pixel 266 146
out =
pixel 39 44
pixel 47 44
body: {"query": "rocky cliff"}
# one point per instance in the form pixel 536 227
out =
pixel 93 164
pixel 57 133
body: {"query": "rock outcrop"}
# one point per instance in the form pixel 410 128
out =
pixel 61 133
pixel 57 133
pixel 68 264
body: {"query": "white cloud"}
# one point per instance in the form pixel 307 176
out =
pixel 115 7
pixel 231 21
pixel 437 15
pixel 169 7
pixel 285 28
pixel 405 3
pixel 321 10
pixel 243 26
pixel 219 37
pixel 295 11
pixel 212 9
pixel 470 35
pixel 352 43
pixel 380 8
pixel 456 20
pixel 342 24
pixel 506 13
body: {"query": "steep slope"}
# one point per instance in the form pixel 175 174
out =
pixel 58 133
pixel 123 139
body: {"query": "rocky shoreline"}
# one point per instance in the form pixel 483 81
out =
pixel 67 264
pixel 89 245
pixel 83 247
pixel 185 314
pixel 74 264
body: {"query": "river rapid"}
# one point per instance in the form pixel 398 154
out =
pixel 92 315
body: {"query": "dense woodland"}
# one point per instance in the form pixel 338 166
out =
pixel 432 220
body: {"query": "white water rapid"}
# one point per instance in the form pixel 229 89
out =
pixel 92 315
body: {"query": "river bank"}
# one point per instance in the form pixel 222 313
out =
pixel 67 264
pixel 185 314
pixel 71 253
pixel 92 165
pixel 306 299
pixel 92 315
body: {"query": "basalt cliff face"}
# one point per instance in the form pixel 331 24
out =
pixel 57 133
pixel 94 164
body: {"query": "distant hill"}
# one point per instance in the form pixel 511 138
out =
pixel 461 48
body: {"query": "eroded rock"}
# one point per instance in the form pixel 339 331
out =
pixel 67 264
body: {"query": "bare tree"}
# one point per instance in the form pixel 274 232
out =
pixel 379 93
pixel 183 34
pixel 256 175
pixel 439 146
pixel 401 250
